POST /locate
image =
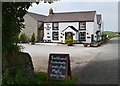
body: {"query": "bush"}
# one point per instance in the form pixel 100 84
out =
pixel 33 39
pixel 85 44
pixel 69 40
pixel 16 79
pixel 22 38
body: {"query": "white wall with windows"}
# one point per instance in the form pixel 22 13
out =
pixel 47 32
pixel 82 32
pixel 54 31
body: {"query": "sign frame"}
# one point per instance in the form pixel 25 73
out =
pixel 67 70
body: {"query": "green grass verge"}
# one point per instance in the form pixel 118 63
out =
pixel 38 78
pixel 109 33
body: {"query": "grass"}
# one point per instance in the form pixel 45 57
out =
pixel 110 33
pixel 38 78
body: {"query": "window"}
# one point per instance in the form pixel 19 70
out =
pixel 82 36
pixel 55 36
pixel 55 26
pixel 48 36
pixel 55 32
pixel 47 26
pixel 82 25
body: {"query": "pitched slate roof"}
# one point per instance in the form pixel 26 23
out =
pixel 37 17
pixel 71 16
pixel 98 18
pixel 71 28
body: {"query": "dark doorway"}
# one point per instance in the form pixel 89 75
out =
pixel 40 35
pixel 68 33
pixel 92 38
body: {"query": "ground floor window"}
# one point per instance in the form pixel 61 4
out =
pixel 82 36
pixel 55 36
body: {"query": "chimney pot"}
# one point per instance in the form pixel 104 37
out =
pixel 50 11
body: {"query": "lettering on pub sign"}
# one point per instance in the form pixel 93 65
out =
pixel 59 67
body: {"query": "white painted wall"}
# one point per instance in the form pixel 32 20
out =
pixel 95 27
pixel 64 25
pixel 89 30
pixel 30 26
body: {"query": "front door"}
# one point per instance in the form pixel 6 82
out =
pixel 40 35
pixel 92 38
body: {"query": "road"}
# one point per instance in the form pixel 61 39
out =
pixel 92 65
pixel 102 69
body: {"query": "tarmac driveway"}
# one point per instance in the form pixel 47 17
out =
pixel 91 65
pixel 103 68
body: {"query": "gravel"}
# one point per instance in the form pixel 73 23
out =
pixel 98 65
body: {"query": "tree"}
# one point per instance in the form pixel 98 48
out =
pixel 69 39
pixel 33 38
pixel 22 38
pixel 12 22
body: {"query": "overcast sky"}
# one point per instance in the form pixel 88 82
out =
pixel 109 10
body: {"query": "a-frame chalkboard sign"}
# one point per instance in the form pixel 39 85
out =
pixel 59 67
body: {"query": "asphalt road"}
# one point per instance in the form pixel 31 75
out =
pixel 91 65
pixel 103 68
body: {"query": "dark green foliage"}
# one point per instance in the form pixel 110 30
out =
pixel 33 38
pixel 38 78
pixel 17 79
pixel 69 40
pixel 12 22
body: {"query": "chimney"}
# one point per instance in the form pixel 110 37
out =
pixel 50 11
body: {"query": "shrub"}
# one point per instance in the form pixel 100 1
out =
pixel 69 40
pixel 75 41
pixel 22 38
pixel 18 78
pixel 33 39
pixel 85 44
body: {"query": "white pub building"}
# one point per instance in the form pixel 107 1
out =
pixel 85 26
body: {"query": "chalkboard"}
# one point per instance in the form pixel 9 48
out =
pixel 59 67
